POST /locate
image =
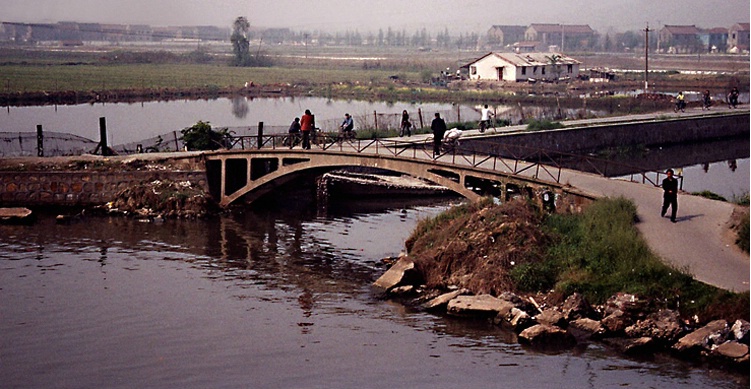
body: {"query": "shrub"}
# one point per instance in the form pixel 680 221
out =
pixel 539 125
pixel 710 195
pixel 202 137
pixel 743 233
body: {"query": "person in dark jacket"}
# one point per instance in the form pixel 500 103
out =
pixel 670 195
pixel 438 126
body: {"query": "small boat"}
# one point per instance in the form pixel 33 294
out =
pixel 343 183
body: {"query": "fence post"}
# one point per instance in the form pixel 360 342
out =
pixel 375 117
pixel 260 134
pixel 458 113
pixel 419 114
pixel 103 137
pixel 40 141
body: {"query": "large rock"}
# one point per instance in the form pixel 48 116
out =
pixel 519 302
pixel 551 317
pixel 481 305
pixel 443 300
pixel 731 350
pixel 547 337
pixel 701 340
pixel 664 325
pixel 402 272
pixel 617 321
pixel 586 328
pixel 516 319
pixel 576 307
pixel 740 331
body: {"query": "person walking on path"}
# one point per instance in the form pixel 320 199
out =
pixel 438 126
pixel 670 195
pixel 406 124
pixel 485 118
pixel 306 126
pixel 733 98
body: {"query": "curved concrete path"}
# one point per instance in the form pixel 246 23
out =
pixel 699 242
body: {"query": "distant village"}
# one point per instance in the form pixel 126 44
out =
pixel 670 39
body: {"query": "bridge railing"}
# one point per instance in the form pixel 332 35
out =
pixel 508 158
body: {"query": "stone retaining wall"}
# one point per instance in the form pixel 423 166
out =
pixel 81 188
pixel 659 132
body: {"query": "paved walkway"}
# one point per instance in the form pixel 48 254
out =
pixel 699 243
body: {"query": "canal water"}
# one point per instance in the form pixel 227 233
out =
pixel 133 122
pixel 274 297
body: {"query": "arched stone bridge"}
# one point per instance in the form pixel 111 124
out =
pixel 250 174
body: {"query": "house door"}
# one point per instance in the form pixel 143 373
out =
pixel 500 73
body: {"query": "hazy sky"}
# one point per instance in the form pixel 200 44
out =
pixel 411 15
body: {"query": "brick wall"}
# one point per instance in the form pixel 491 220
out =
pixel 80 188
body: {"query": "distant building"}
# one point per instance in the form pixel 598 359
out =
pixel 500 36
pixel 738 36
pixel 714 40
pixel 567 37
pixel 680 39
pixel 526 47
pixel 522 67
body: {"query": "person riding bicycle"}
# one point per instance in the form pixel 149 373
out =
pixel 485 119
pixel 294 133
pixel 733 97
pixel 680 102
pixel 347 125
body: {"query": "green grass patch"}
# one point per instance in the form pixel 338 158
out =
pixel 709 195
pixel 539 125
pixel 743 235
pixel 600 252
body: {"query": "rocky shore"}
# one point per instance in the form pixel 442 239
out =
pixel 628 323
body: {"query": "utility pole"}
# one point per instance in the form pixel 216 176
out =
pixel 646 59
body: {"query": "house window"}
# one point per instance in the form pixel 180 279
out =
pixel 524 70
pixel 543 70
pixel 473 70
pixel 534 70
pixel 570 68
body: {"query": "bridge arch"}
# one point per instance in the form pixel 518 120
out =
pixel 251 174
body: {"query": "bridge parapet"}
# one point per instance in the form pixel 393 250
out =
pixel 250 174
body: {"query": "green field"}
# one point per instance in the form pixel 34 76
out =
pixel 87 77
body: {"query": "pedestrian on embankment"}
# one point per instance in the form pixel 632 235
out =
pixel 438 126
pixel 670 195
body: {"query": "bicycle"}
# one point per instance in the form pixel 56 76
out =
pixel 347 135
pixel 292 140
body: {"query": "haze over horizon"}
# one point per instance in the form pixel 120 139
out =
pixel 342 15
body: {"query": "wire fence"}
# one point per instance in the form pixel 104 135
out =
pixel 22 144
pixel 14 144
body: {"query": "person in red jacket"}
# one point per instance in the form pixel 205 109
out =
pixel 306 126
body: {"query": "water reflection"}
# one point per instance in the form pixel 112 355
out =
pixel 272 297
pixel 240 107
